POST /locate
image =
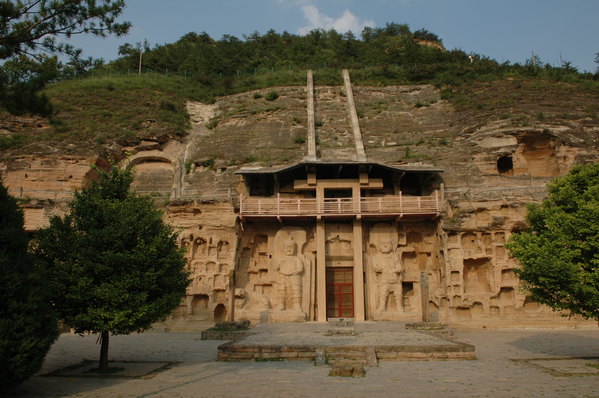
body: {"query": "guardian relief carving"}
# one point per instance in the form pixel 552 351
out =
pixel 290 266
pixel 273 283
pixel 386 266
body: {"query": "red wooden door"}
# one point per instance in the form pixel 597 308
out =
pixel 340 293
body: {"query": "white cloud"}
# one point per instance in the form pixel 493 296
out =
pixel 346 22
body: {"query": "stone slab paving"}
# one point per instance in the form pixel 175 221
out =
pixel 317 334
pixel 498 372
pixel 302 341
pixel 568 366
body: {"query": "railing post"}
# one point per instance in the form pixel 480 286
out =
pixel 278 204
pixel 380 200
pixel 299 206
pixel 259 206
pixel 436 199
pixel 241 204
pixel 418 202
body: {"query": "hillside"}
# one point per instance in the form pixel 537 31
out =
pixel 96 113
pixel 437 151
pixel 111 106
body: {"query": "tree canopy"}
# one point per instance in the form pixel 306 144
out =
pixel 29 27
pixel 114 265
pixel 405 57
pixel 33 31
pixel 28 324
pixel 559 253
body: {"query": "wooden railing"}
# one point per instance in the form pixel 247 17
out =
pixel 293 207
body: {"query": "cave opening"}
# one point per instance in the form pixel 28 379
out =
pixel 505 165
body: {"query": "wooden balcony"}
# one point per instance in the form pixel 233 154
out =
pixel 369 207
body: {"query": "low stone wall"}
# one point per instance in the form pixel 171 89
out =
pixel 223 335
pixel 236 352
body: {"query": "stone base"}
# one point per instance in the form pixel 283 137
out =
pixel 286 316
pixel 396 316
pixel 347 369
pixel 341 325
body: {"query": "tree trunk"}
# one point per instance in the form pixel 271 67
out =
pixel 104 351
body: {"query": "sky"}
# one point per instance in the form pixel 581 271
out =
pixel 506 30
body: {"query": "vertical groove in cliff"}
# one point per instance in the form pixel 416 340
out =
pixel 355 124
pixel 310 110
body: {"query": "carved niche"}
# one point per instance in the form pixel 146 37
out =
pixel 208 256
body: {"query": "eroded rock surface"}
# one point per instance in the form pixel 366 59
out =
pixel 492 167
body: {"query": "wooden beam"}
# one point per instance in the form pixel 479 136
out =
pixel 373 183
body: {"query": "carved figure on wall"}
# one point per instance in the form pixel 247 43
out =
pixel 290 265
pixel 386 265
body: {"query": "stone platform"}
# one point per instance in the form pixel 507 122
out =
pixel 370 343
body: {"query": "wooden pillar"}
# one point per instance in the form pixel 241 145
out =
pixel 358 271
pixel 321 274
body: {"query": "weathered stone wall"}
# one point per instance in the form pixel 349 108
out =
pixel 208 232
pixel 493 167
pixel 45 185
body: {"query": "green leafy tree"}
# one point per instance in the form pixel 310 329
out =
pixel 28 27
pixel 559 253
pixel 114 264
pixel 21 79
pixel 33 31
pixel 28 324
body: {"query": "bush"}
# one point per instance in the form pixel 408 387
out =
pixel 271 96
pixel 231 326
pixel 28 326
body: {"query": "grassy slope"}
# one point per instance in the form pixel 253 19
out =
pixel 96 112
pixel 100 110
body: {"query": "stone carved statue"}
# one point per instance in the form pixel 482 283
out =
pixel 386 265
pixel 290 265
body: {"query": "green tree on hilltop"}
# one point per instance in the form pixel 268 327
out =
pixel 114 264
pixel 28 324
pixel 559 253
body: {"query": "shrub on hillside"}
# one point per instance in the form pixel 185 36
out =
pixel 271 96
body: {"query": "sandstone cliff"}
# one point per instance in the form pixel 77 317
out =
pixel 498 144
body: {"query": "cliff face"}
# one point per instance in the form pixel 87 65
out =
pixel 496 157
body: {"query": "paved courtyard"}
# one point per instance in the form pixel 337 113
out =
pixel 511 363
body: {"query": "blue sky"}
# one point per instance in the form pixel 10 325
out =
pixel 506 30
